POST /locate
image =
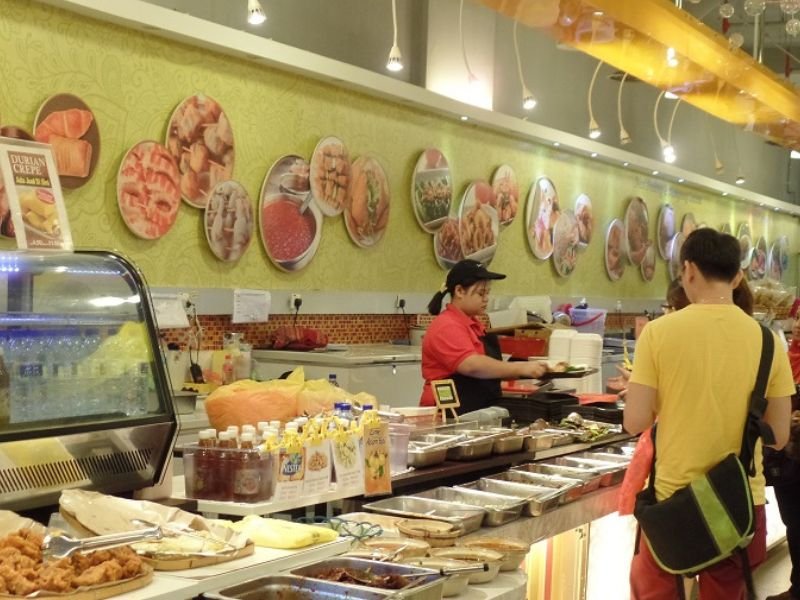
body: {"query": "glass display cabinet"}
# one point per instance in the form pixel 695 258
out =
pixel 85 401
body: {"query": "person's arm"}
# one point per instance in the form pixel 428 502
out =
pixel 480 366
pixel 778 416
pixel 640 408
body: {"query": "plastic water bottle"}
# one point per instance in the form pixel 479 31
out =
pixel 332 379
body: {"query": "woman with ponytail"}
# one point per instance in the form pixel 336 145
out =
pixel 456 345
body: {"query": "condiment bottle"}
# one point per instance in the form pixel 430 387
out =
pixel 226 463
pixel 227 370
pixel 205 466
pixel 247 475
pixel 234 431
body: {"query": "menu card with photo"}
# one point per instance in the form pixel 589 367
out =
pixel 34 195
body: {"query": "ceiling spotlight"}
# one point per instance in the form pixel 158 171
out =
pixel 528 99
pixel 594 130
pixel 724 193
pixel 626 163
pixel 464 118
pixel 395 62
pixel 556 144
pixel 672 58
pixel 594 155
pixel 624 137
pixel 794 155
pixel 740 179
pixel 655 172
pixel 668 152
pixel 255 14
pixel 681 180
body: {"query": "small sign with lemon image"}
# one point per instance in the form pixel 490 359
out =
pixel 377 475
pixel 34 195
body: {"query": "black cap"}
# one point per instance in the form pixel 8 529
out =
pixel 468 272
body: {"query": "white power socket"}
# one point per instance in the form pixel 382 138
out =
pixel 293 299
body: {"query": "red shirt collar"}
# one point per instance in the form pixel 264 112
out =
pixel 471 322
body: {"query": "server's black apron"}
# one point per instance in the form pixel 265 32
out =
pixel 474 393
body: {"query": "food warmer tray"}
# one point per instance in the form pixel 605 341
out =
pixel 420 456
pixel 479 444
pixel 468 519
pixel 499 509
pixel 610 473
pixel 280 587
pixel 538 499
pixel 591 479
pixel 569 489
pixel 430 586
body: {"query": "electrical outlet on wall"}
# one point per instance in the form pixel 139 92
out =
pixel 295 301
pixel 399 302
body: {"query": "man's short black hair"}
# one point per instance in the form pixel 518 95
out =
pixel 717 255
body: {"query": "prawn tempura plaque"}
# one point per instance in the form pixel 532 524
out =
pixel 479 226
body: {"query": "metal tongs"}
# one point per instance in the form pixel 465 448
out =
pixel 57 546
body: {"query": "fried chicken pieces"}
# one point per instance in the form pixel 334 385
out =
pixel 22 570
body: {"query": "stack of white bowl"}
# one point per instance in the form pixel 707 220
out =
pixel 587 349
pixel 559 345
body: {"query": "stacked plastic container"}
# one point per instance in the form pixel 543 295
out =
pixel 559 345
pixel 587 349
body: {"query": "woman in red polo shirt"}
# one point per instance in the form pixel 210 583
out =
pixel 457 347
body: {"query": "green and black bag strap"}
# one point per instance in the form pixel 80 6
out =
pixel 755 426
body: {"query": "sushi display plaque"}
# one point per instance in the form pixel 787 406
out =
pixel 34 195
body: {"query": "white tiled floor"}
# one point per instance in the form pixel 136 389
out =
pixel 773 576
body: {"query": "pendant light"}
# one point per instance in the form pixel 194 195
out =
pixel 528 99
pixel 667 150
pixel 594 128
pixel 255 13
pixel 395 62
pixel 624 136
pixel 470 75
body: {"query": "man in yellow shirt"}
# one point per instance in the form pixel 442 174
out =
pixel 694 370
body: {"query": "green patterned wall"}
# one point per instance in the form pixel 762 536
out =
pixel 134 81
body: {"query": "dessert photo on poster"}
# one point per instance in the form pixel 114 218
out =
pixel 541 213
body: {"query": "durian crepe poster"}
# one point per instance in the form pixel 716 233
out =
pixel 34 197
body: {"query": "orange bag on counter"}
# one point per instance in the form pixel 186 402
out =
pixel 317 395
pixel 249 401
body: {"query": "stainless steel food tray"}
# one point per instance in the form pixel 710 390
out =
pixel 568 489
pixel 282 587
pixel 601 454
pixel 430 586
pixel 478 444
pixel 610 473
pixel 508 442
pixel 538 499
pixel 499 509
pixel 590 478
pixel 420 456
pixel 467 518
pixel 539 440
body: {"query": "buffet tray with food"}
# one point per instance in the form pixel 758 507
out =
pixel 590 480
pixel 538 499
pixel 417 583
pixel 291 587
pixel 567 490
pixel 467 518
pixel 499 509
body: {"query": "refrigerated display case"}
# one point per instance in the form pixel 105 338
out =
pixel 88 397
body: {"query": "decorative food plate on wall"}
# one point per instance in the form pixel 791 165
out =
pixel 541 213
pixel 506 194
pixel 585 216
pixel 366 212
pixel 6 222
pixel 688 224
pixel 758 261
pixel 783 243
pixel 330 175
pixel 200 139
pixel 675 254
pixel 229 220
pixel 479 225
pixel 566 238
pixel 637 238
pixel 66 123
pixel 148 190
pixel 432 190
pixel 774 270
pixel 615 250
pixel 665 230
pixel 289 222
pixel 648 266
pixel 745 245
pixel 447 243
pixel 725 228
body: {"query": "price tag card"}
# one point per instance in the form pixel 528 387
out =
pixel 318 468
pixel 377 474
pixel 290 475
pixel 251 306
pixel 348 464
pixel 169 311
pixel 30 177
pixel 445 394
